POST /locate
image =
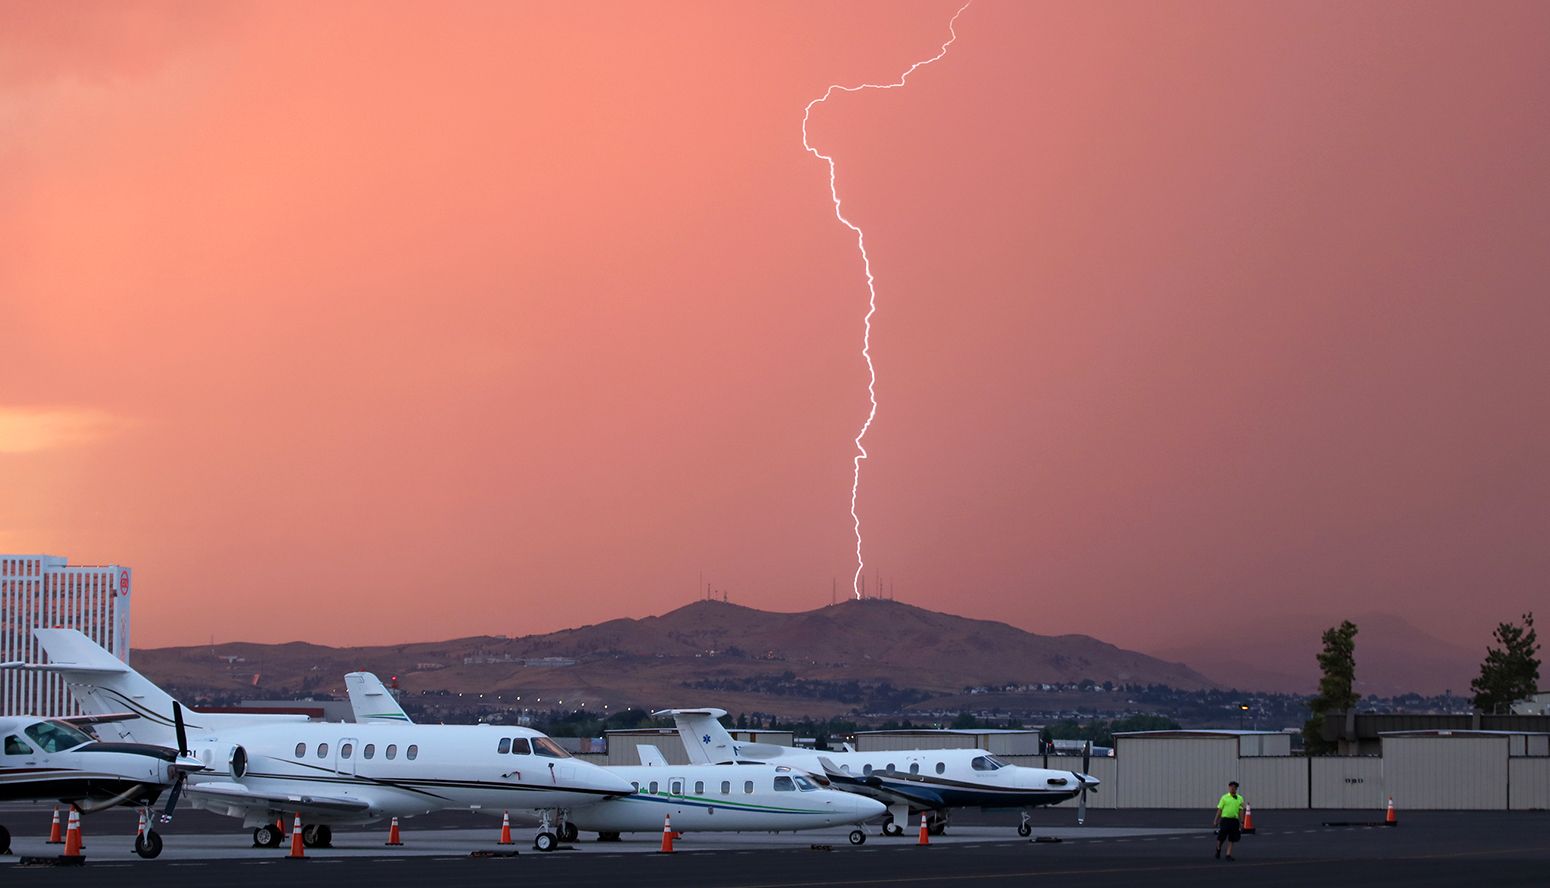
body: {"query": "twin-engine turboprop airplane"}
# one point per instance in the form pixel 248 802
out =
pixel 698 798
pixel 46 760
pixel 265 767
pixel 907 781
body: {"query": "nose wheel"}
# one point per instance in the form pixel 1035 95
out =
pixel 857 837
pixel 148 844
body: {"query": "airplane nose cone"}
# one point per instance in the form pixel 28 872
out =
pixel 607 781
pixel 854 808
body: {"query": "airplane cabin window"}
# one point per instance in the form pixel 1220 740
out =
pixel 322 750
pixel 676 787
pixel 391 752
pixel 636 785
pixel 15 746
pixel 412 753
pixel 301 750
pixel 346 750
pixel 748 787
pixel 519 746
pixel 699 787
pixel 914 767
pixel 726 787
pixel 866 770
pixel 941 767
pixel 652 786
pixel 784 784
pixel 369 751
pixel 505 746
pixel 890 768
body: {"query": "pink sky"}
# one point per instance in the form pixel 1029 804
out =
pixel 384 321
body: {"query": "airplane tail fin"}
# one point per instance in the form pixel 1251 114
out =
pixel 650 755
pixel 372 702
pixel 102 684
pixel 706 741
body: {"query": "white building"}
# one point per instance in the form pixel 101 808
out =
pixel 42 591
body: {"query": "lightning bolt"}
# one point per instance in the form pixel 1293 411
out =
pixel 866 262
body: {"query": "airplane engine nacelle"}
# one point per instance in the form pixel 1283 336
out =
pixel 231 758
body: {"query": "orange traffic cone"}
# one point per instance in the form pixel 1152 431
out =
pixel 73 834
pixel 667 834
pixel 1248 818
pixel 923 839
pixel 55 834
pixel 1389 819
pixel 393 834
pixel 505 828
pixel 296 844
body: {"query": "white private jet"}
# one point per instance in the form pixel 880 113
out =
pixel 698 798
pixel 907 781
pixel 263 767
pixel 50 759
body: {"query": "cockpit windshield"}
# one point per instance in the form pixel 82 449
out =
pixel 987 763
pixel 548 748
pixel 57 736
pixel 804 784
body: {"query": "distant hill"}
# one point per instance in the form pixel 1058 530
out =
pixel 1278 654
pixel 820 662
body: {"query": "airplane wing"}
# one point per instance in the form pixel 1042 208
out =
pixel 871 786
pixel 235 795
pixel 83 720
pixel 650 756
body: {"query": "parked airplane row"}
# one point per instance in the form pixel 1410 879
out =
pixel 264 767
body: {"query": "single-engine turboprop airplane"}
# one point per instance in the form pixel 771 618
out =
pixel 907 781
pixel 48 759
pixel 698 798
pixel 264 767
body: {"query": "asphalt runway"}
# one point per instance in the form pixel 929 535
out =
pixel 1114 848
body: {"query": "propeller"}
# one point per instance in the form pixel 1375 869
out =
pixel 177 785
pixel 1081 804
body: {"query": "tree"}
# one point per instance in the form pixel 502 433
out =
pixel 1338 663
pixel 1510 672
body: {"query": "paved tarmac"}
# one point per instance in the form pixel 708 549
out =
pixel 1114 848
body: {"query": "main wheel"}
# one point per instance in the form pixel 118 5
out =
pixel 892 829
pixel 857 837
pixel 545 841
pixel 1024 830
pixel 936 827
pixel 569 832
pixel 148 845
pixel 318 835
pixel 5 840
pixel 267 836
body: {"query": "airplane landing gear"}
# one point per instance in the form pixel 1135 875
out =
pixel 267 836
pixel 5 840
pixel 317 835
pixel 546 840
pixel 148 845
pixel 857 837
pixel 936 825
pixel 895 819
pixel 569 832
pixel 1025 829
pixel 890 828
